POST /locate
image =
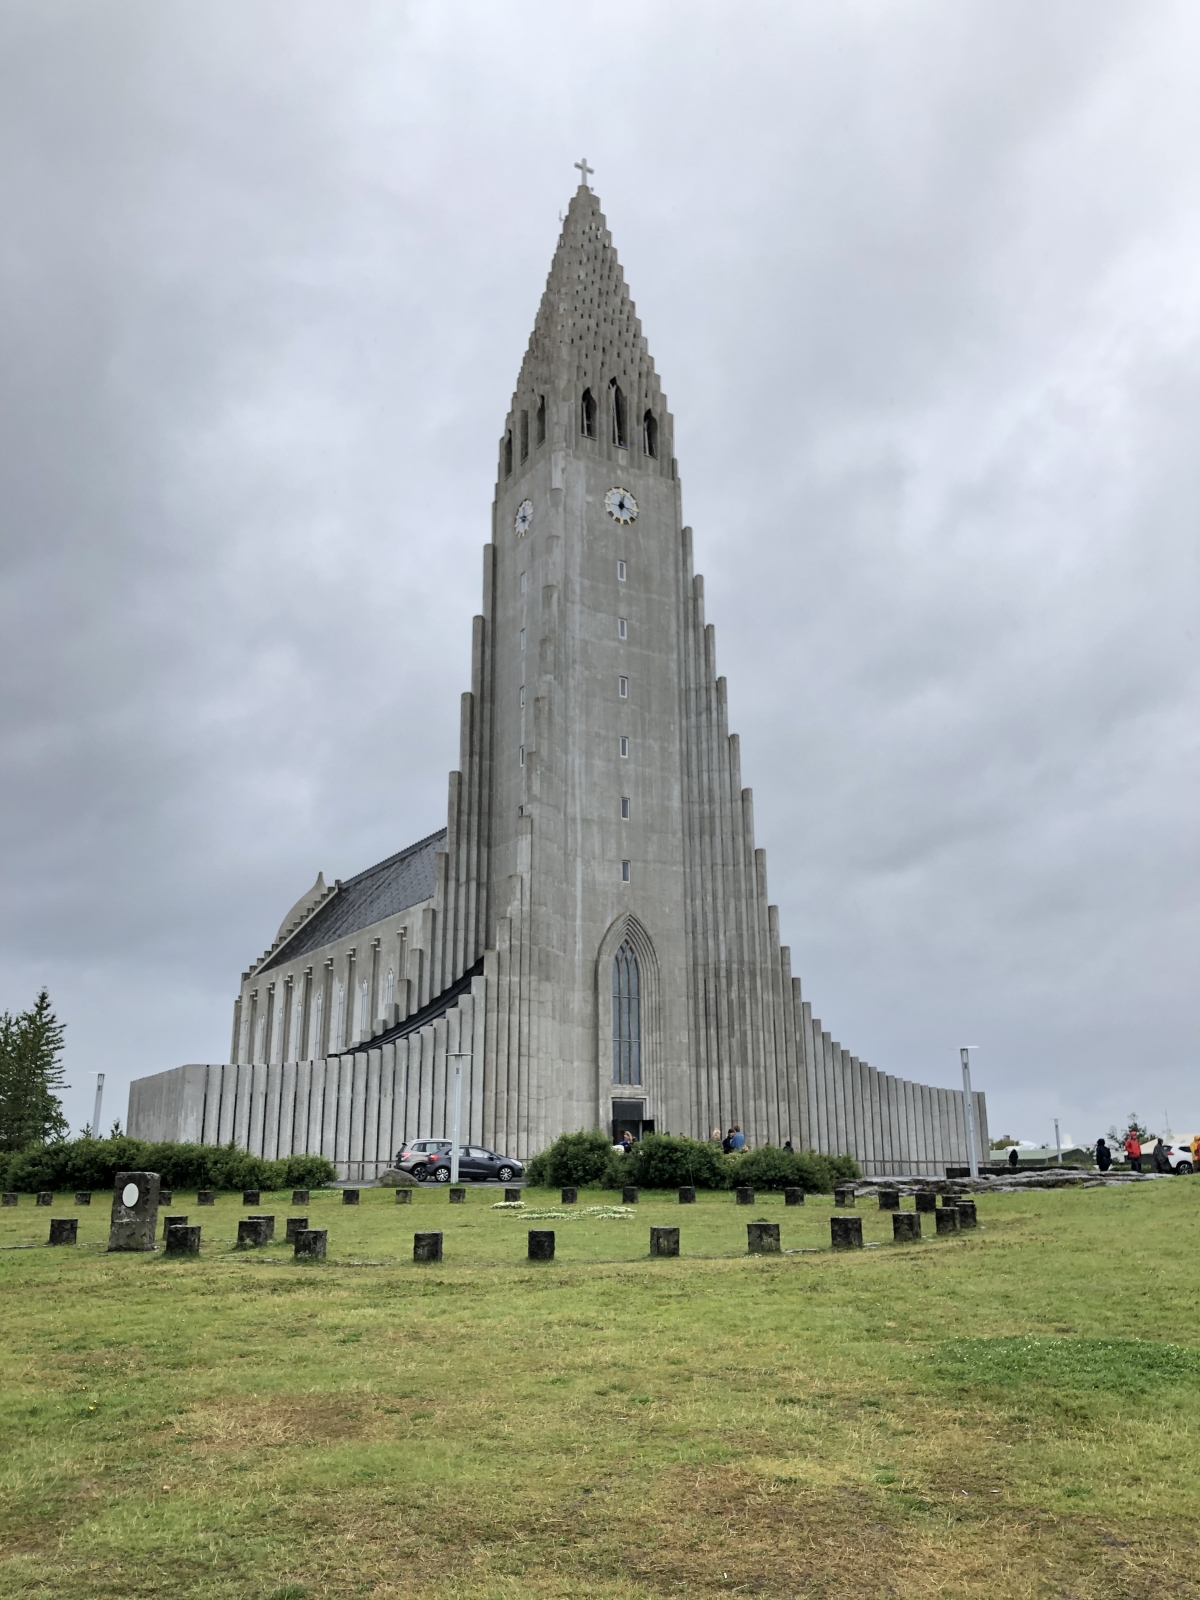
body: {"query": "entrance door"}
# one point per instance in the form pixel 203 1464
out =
pixel 630 1115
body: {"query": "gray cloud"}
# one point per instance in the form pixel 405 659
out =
pixel 920 282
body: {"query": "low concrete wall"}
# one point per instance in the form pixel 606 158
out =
pixel 169 1105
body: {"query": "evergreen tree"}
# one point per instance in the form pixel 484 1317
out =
pixel 31 1046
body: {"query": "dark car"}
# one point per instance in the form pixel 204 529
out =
pixel 475 1163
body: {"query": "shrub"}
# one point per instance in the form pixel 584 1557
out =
pixel 769 1167
pixel 93 1164
pixel 665 1161
pixel 575 1159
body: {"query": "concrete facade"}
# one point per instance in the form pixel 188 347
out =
pixel 593 925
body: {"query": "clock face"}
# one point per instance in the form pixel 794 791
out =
pixel 523 520
pixel 620 505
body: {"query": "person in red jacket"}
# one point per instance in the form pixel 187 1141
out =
pixel 1133 1149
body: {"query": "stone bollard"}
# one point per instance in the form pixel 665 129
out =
pixel 404 1197
pixel 889 1199
pixel 665 1241
pixel 793 1197
pixel 183 1240
pixel 295 1225
pixel 845 1233
pixel 745 1197
pixel 252 1232
pixel 762 1238
pixel 906 1227
pixel 458 1197
pixel 541 1244
pixel 350 1197
pixel 629 1195
pixel 250 1197
pixel 83 1197
pixel 166 1197
pixel 170 1222
pixel 270 1222
pixel 45 1198
pixel 427 1247
pixel 947 1219
pixel 511 1196
pixel 926 1200
pixel 967 1217
pixel 63 1230
pixel 844 1196
pixel 8 1198
pixel 311 1243
pixel 206 1197
pixel 687 1195
pixel 570 1197
pixel 299 1197
pixel 134 1224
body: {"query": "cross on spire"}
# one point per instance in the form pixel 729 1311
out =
pixel 585 170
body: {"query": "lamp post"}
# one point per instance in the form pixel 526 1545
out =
pixel 96 1112
pixel 969 1108
pixel 1057 1142
pixel 458 1057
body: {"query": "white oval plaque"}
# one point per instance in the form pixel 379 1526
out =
pixel 129 1194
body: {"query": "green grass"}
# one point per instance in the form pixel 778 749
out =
pixel 1009 1413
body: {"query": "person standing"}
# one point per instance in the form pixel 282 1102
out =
pixel 1103 1155
pixel 739 1139
pixel 1133 1149
pixel 727 1142
pixel 1013 1158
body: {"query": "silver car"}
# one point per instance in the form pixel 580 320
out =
pixel 414 1157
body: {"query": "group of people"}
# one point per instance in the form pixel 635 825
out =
pixel 735 1139
pixel 1132 1146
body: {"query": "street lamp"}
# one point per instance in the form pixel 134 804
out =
pixel 96 1112
pixel 458 1057
pixel 969 1108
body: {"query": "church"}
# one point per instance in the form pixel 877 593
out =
pixel 588 941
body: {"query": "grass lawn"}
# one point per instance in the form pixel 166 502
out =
pixel 1011 1413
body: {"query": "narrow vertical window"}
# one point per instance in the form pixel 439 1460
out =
pixel 541 419
pixel 625 872
pixel 622 628
pixel 524 436
pixel 623 688
pixel 650 434
pixel 624 745
pixel 624 808
pixel 627 1019
pixel 620 436
pixel 522 697
pixel 587 415
pixel 508 454
pixel 522 583
pixel 621 572
pixel 522 639
pixel 522 755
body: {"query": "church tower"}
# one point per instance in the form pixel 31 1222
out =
pixel 589 941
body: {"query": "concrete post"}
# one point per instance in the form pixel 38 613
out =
pixel 762 1238
pixel 793 1197
pixel 687 1195
pixel 295 1225
pixel 906 1227
pixel 947 1219
pixel 404 1197
pixel 171 1222
pixel 570 1197
pixel 270 1224
pixel 183 1240
pixel 299 1197
pixel 629 1195
pixel 541 1244
pixel 458 1196
pixel 349 1197
pixel 8 1198
pixel 83 1197
pixel 845 1233
pixel 889 1199
pixel 512 1196
pixel 252 1233
pixel 63 1230
pixel 45 1198
pixel 664 1241
pixel 427 1247
pixel 745 1197
pixel 206 1197
pixel 311 1243
pixel 250 1197
pixel 844 1196
pixel 969 1112
pixel 926 1200
pixel 965 1206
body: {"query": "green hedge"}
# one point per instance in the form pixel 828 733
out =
pixel 93 1164
pixel 666 1161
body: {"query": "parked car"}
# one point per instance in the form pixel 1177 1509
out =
pixel 414 1158
pixel 475 1163
pixel 1179 1155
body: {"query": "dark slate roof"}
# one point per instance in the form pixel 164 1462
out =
pixel 393 885
pixel 430 1012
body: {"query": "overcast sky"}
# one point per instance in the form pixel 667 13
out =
pixel 920 278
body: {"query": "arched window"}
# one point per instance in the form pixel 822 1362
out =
pixel 620 434
pixel 541 419
pixel 508 454
pixel 650 434
pixel 627 1020
pixel 587 415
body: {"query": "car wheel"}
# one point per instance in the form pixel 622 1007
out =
pixel 504 1174
pixel 1184 1166
pixel 420 1172
pixel 442 1175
